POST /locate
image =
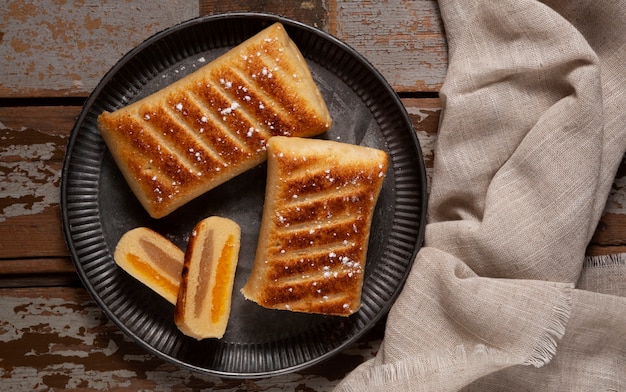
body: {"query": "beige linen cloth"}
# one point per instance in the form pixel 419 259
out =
pixel 501 296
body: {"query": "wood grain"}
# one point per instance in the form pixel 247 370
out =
pixel 32 146
pixel 38 272
pixel 403 39
pixel 58 338
pixel 310 12
pixel 52 120
pixel 81 40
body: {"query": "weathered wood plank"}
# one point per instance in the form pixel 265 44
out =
pixel 600 250
pixel 32 231
pixel 38 273
pixel 611 230
pixel 424 114
pixel 310 12
pixel 404 39
pixel 57 338
pixel 32 145
pixel 30 175
pixel 52 120
pixel 616 203
pixel 82 39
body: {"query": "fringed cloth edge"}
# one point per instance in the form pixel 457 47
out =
pixel 618 259
pixel 545 349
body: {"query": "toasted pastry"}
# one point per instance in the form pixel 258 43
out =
pixel 205 294
pixel 152 259
pixel 319 201
pixel 213 124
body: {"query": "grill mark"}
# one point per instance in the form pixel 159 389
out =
pixel 237 90
pixel 238 126
pixel 271 80
pixel 235 122
pixel 183 141
pixel 211 130
pixel 163 167
pixel 316 285
pixel 319 236
pixel 298 204
pixel 275 57
pixel 172 136
pixel 313 293
pixel 270 115
pixel 322 208
pixel 314 185
pixel 224 148
pixel 250 94
pixel 337 259
pixel 317 252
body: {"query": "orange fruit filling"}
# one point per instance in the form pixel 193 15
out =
pixel 223 274
pixel 151 273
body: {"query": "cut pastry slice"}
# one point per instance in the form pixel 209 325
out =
pixel 213 124
pixel 152 259
pixel 205 294
pixel 319 203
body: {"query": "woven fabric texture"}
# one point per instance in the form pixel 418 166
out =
pixel 533 128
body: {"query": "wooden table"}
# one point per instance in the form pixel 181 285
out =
pixel 52 55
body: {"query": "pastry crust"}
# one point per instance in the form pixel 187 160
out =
pixel 205 294
pixel 152 259
pixel 315 227
pixel 213 124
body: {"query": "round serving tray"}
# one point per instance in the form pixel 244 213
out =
pixel 98 206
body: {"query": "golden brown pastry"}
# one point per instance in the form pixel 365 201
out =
pixel 152 259
pixel 212 125
pixel 315 227
pixel 205 294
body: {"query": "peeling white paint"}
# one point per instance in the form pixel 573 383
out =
pixel 385 33
pixel 427 140
pixel 418 112
pixel 307 5
pixel 25 172
pixel 23 379
pixel 167 379
pixel 79 378
pixel 100 31
pixel 33 379
pixel 43 151
pixel 59 316
pixel 111 349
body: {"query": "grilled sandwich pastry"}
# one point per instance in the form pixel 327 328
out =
pixel 315 227
pixel 213 124
pixel 152 259
pixel 205 294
